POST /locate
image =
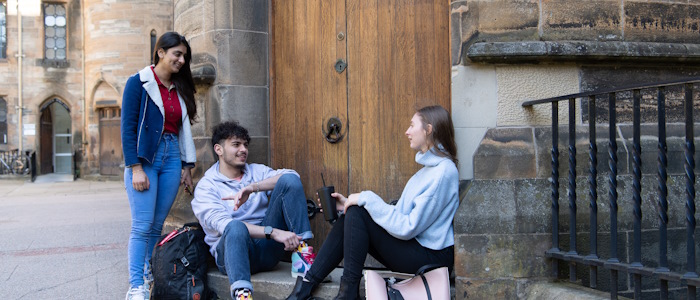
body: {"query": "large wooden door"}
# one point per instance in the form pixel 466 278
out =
pixel 111 156
pixel 46 141
pixel 397 55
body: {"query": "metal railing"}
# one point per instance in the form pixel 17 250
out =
pixel 689 279
pixel 14 163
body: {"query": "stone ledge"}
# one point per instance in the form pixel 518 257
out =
pixel 563 290
pixel 581 51
pixel 276 284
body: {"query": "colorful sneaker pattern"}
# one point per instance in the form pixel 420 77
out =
pixel 243 294
pixel 302 259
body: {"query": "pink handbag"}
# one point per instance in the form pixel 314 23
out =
pixel 431 282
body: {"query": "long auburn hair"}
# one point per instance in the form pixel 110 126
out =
pixel 182 79
pixel 443 130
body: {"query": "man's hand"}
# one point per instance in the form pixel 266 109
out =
pixel 240 198
pixel 186 179
pixel 139 179
pixel 290 240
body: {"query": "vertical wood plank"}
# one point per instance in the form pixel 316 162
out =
pixel 305 92
pixel 398 52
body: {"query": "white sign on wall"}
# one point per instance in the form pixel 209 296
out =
pixel 29 129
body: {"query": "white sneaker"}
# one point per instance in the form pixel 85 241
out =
pixel 138 293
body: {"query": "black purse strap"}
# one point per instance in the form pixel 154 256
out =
pixel 423 270
pixel 428 268
pixel 427 288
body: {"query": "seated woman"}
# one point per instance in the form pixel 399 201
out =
pixel 415 232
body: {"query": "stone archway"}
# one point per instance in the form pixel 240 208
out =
pixel 106 102
pixel 55 137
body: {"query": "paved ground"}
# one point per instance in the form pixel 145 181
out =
pixel 63 240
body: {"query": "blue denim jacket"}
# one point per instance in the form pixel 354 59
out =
pixel 141 132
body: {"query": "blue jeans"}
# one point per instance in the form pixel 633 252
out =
pixel 239 255
pixel 150 207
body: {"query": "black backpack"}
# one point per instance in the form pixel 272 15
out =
pixel 179 265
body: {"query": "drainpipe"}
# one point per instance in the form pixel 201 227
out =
pixel 20 55
pixel 85 106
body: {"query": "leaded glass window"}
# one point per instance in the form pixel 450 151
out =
pixel 3 29
pixel 55 31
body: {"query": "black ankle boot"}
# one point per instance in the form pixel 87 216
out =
pixel 302 289
pixel 348 290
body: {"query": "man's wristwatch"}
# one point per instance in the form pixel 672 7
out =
pixel 268 232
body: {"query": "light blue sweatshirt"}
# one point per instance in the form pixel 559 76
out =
pixel 214 214
pixel 427 205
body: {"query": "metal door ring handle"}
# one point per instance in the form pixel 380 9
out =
pixel 333 130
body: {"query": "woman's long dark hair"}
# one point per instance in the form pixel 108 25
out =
pixel 182 79
pixel 443 130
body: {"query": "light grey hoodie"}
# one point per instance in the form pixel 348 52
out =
pixel 427 205
pixel 214 214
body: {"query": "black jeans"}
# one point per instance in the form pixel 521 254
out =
pixel 355 234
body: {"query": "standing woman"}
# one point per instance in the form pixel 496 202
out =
pixel 415 232
pixel 158 108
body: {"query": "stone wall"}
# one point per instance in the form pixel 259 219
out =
pixel 503 226
pixel 42 81
pixel 117 45
pixel 229 40
pixel 508 51
pixel 608 24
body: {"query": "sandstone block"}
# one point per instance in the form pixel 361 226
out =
pixel 247 105
pixel 662 22
pixel 501 255
pixel 505 153
pixel 582 20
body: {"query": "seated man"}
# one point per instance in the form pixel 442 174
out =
pixel 250 213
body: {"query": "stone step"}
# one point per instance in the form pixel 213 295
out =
pixel 276 284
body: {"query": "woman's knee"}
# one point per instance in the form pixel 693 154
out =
pixel 141 227
pixel 356 212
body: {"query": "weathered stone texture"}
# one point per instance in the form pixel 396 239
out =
pixel 247 105
pixel 189 21
pixel 476 288
pixel 608 21
pixel 246 56
pixel 502 256
pixel 662 22
pixel 503 228
pixel 581 20
pixel 499 16
pixel 518 161
pixel 599 78
pixel 249 15
pixel 558 290
pixel 487 208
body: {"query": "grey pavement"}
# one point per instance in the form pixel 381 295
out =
pixel 63 240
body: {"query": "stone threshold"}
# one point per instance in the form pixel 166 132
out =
pixel 276 284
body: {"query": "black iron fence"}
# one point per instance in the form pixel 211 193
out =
pixel 633 266
pixel 12 162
